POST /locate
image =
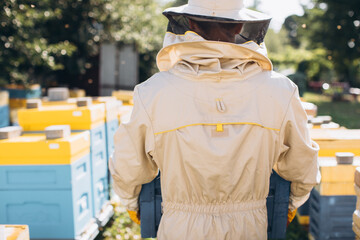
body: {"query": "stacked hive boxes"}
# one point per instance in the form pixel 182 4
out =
pixel 18 97
pixel 88 117
pixel 111 115
pixel 333 201
pixel 356 214
pixel 45 182
pixel 322 122
pixel 4 109
pixel 111 120
pixel 111 125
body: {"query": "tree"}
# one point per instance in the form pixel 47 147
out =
pixel 58 41
pixel 48 39
pixel 335 26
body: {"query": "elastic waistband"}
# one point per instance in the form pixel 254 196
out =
pixel 214 207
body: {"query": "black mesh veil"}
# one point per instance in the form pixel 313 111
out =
pixel 251 31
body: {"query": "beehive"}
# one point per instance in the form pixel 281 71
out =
pixel 79 118
pixel 332 141
pixel 331 216
pixel 46 184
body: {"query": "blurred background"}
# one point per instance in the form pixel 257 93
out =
pixel 100 46
pixel 103 45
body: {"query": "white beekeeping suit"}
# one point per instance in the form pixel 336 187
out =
pixel 215 120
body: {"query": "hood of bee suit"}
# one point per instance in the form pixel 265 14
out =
pixel 187 53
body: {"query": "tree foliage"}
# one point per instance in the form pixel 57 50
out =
pixel 334 28
pixel 60 40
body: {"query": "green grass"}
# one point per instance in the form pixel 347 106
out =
pixel 345 113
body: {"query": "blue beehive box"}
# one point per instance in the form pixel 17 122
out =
pixel 111 128
pixel 277 204
pixel 4 109
pixel 47 185
pixel 331 216
pixel 82 118
pixel 4 116
pixel 33 92
pixel 99 168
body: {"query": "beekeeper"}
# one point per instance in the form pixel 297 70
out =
pixel 216 120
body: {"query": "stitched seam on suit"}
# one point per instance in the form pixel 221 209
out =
pixel 152 129
pixel 215 124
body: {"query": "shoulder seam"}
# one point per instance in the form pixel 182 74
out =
pixel 150 120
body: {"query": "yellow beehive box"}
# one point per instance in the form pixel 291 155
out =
pixel 74 93
pixel 16 103
pixel 79 118
pixel 125 96
pixel 35 149
pixel 111 107
pixel 332 141
pixel 337 179
pixel 14 232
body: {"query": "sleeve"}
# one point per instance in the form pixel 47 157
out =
pixel 298 161
pixel 132 163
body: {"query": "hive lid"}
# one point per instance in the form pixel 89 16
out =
pixel 335 134
pixel 58 94
pixel 325 119
pixel 33 103
pixel 10 132
pixel 57 131
pixel 84 102
pixel 344 157
pixel 79 118
pixel 317 121
pixel 35 149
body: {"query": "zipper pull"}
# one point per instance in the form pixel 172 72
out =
pixel 220 105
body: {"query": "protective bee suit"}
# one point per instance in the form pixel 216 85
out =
pixel 216 120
